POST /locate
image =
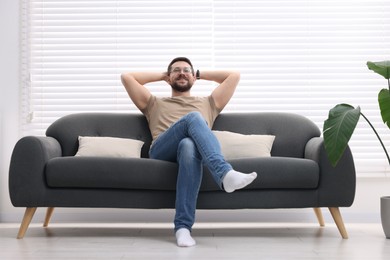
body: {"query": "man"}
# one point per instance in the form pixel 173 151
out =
pixel 181 131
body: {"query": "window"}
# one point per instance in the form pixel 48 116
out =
pixel 294 56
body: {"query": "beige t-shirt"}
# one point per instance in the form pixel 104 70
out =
pixel 161 113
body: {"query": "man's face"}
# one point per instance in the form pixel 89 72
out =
pixel 181 76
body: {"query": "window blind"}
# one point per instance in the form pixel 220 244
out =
pixel 294 56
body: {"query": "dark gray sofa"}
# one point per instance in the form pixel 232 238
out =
pixel 45 173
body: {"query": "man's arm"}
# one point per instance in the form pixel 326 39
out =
pixel 228 82
pixel 134 83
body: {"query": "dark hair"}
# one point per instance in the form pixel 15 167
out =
pixel 179 59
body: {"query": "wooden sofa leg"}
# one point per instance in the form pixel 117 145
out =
pixel 320 218
pixel 28 215
pixel 49 213
pixel 339 222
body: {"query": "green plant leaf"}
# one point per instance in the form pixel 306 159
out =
pixel 384 105
pixel 380 67
pixel 338 129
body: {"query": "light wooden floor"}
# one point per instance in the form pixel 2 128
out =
pixel 214 241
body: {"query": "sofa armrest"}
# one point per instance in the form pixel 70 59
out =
pixel 337 184
pixel 27 184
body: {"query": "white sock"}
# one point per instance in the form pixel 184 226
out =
pixel 234 180
pixel 184 239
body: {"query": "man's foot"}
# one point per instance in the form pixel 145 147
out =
pixel 234 180
pixel 184 239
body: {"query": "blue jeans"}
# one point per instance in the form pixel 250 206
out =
pixel 190 143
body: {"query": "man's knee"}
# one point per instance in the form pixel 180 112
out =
pixel 196 116
pixel 187 145
pixel 187 149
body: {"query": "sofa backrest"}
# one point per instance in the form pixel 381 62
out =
pixel 291 131
pixel 68 128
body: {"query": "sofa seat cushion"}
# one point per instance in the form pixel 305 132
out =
pixel 106 172
pixel 274 173
pixel 150 174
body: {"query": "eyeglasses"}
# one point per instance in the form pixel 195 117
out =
pixel 186 70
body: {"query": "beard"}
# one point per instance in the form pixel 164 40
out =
pixel 179 87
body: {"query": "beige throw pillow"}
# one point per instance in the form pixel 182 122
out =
pixel 109 147
pixel 235 146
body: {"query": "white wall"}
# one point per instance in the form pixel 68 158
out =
pixel 365 208
pixel 9 69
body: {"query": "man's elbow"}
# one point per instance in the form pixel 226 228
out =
pixel 236 75
pixel 125 77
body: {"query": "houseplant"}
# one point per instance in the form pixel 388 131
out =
pixel 342 121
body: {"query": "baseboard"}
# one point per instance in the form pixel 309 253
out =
pixel 72 215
